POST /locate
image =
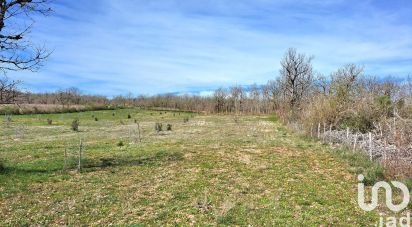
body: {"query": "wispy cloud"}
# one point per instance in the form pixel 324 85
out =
pixel 148 47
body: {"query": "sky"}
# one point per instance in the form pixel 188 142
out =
pixel 148 47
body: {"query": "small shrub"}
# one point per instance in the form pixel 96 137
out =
pixel 129 116
pixel 8 118
pixel 158 127
pixel 360 164
pixel 361 122
pixel 135 121
pixel 120 144
pixel 2 168
pixel 186 119
pixel 92 116
pixel 49 121
pixel 408 183
pixel 75 125
pixel 113 114
pixel 169 127
pixel 96 119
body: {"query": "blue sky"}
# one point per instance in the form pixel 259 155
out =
pixel 112 47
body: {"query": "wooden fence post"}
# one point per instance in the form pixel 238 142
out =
pixel 319 130
pixel 354 143
pixel 384 152
pixel 80 155
pixel 380 129
pixel 330 134
pixel 324 132
pixel 370 146
pixel 65 157
pixel 394 124
pixel 311 130
pixel 347 133
pixel 138 129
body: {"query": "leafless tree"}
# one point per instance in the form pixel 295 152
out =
pixel 220 96
pixel 296 76
pixel 255 99
pixel 69 96
pixel 8 90
pixel 19 53
pixel 344 81
pixel 321 84
pixel 16 21
pixel 237 96
pixel 274 93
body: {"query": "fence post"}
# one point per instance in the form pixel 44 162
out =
pixel 347 133
pixel 370 146
pixel 65 158
pixel 394 124
pixel 324 132
pixel 330 134
pixel 380 129
pixel 354 143
pixel 311 130
pixel 138 129
pixel 80 155
pixel 319 130
pixel 384 152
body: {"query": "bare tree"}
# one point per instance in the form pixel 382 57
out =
pixel 344 81
pixel 321 84
pixel 8 90
pixel 274 93
pixel 220 96
pixel 255 98
pixel 296 76
pixel 16 21
pixel 69 96
pixel 237 97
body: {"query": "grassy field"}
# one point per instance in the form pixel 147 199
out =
pixel 211 170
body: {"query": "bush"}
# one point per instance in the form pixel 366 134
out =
pixel 9 110
pixel 96 119
pixel 362 123
pixel 75 125
pixel 120 144
pixel 113 114
pixel 360 164
pixel 186 119
pixel 129 116
pixel 49 121
pixel 158 127
pixel 8 119
pixel 2 167
pixel 169 127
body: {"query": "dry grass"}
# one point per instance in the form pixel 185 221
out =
pixel 208 171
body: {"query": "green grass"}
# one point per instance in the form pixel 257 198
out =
pixel 211 170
